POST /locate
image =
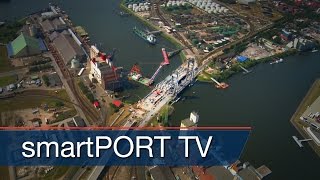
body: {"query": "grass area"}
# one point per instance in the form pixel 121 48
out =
pixel 56 173
pixel 204 77
pixel 8 31
pixel 6 80
pixel 24 102
pixel 166 110
pixel 235 68
pixel 311 96
pixel 5 64
pixel 4 172
pixel 65 115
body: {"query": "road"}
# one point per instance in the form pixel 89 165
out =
pixel 205 61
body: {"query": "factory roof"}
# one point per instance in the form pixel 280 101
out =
pixel 220 172
pixel 242 58
pixel 117 103
pixel 23 41
pixel 47 25
pixel 67 47
pixel 248 173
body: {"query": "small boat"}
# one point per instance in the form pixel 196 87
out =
pixel 314 50
pixel 276 61
pixel 123 14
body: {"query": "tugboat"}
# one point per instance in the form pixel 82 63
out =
pixel 150 38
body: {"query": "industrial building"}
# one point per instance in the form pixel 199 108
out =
pixel 192 121
pixel 50 25
pixel 25 45
pixel 68 48
pixel 104 72
pixel 302 44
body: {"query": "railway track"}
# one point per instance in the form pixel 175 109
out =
pixel 133 173
pixel 86 106
pixel 114 172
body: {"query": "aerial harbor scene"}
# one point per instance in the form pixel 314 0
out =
pixel 167 63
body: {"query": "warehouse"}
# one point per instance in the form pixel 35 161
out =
pixel 24 46
pixel 53 25
pixel 68 48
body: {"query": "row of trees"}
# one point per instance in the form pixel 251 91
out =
pixel 40 67
pixel 8 31
pixel 85 90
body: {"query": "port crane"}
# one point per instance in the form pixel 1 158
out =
pixel 163 63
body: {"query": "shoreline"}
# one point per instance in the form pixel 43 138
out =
pixel 236 69
pixel 150 25
pixel 295 120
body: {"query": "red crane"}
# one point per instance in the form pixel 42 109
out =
pixel 163 63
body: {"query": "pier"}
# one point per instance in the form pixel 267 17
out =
pixel 246 71
pixel 219 85
pixel 299 142
pixel 162 94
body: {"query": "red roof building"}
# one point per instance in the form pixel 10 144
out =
pixel 117 103
pixel 96 104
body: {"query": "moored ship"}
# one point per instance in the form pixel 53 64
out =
pixel 150 38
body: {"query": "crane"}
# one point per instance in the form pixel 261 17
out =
pixel 163 63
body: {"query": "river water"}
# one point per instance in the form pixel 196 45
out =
pixel 264 99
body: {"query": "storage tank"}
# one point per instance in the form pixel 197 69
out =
pixel 75 63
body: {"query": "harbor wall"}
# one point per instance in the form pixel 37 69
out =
pixel 163 34
pixel 312 94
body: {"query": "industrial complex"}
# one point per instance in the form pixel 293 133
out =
pixel 53 76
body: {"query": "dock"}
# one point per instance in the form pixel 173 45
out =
pixel 246 71
pixel 299 142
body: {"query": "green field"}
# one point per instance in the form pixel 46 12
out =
pixel 24 102
pixel 4 61
pixel 6 80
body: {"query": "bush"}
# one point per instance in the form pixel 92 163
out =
pixel 46 80
pixel 85 90
pixel 59 104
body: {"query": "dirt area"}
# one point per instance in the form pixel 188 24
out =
pixel 256 52
pixel 35 117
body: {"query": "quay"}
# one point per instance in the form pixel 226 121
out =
pixel 162 94
pixel 303 123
